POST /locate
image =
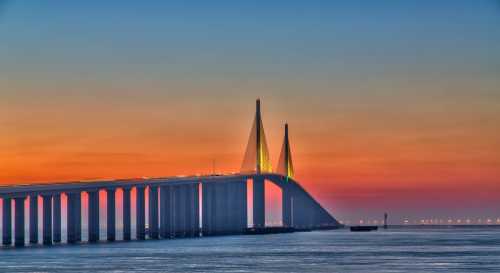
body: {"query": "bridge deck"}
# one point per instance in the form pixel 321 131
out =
pixel 13 190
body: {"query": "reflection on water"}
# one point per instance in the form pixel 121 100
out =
pixel 401 250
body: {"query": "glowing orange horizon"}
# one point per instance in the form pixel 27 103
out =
pixel 333 165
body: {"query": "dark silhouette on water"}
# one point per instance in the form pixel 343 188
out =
pixel 363 228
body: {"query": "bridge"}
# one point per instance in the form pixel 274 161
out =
pixel 189 206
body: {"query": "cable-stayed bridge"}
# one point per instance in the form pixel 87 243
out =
pixel 190 206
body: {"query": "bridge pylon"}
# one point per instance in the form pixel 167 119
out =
pixel 285 164
pixel 256 158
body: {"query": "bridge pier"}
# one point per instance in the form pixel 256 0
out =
pixel 242 205
pixel 153 212
pixel 185 210
pixel 216 209
pixel 74 227
pixel 225 224
pixel 195 214
pixel 93 216
pixel 188 209
pixel 166 211
pixel 33 219
pixel 140 210
pixel 179 211
pixel 213 208
pixel 206 209
pixel 259 209
pixel 19 221
pixel 111 217
pixel 204 218
pixel 236 204
pixel 286 207
pixel 7 221
pixel 47 219
pixel 222 210
pixel 127 223
pixel 231 208
pixel 56 221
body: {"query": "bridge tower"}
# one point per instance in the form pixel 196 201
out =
pixel 257 161
pixel 256 158
pixel 285 165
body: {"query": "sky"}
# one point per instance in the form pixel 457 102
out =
pixel 392 105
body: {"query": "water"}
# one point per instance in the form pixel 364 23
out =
pixel 398 250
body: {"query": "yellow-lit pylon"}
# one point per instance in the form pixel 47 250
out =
pixel 257 154
pixel 285 165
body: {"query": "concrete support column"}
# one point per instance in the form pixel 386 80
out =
pixel 173 212
pixel 180 211
pixel 238 206
pixel 189 209
pixel 220 209
pixel 214 221
pixel 225 209
pixel 230 208
pixel 70 227
pixel 153 212
pixel 71 223
pixel 56 221
pixel 213 207
pixel 126 214
pixel 242 206
pixel 205 209
pixel 74 228
pixel 196 209
pixel 111 218
pixel 235 207
pixel 141 217
pixel 7 222
pixel 19 221
pixel 177 211
pixel 93 214
pixel 47 219
pixel 78 216
pixel 286 200
pixel 259 209
pixel 33 219
pixel 166 212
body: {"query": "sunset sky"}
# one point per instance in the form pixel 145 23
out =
pixel 392 105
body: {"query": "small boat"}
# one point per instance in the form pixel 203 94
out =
pixel 363 228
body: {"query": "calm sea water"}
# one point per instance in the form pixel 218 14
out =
pixel 397 250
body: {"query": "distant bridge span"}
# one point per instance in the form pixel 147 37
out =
pixel 174 208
